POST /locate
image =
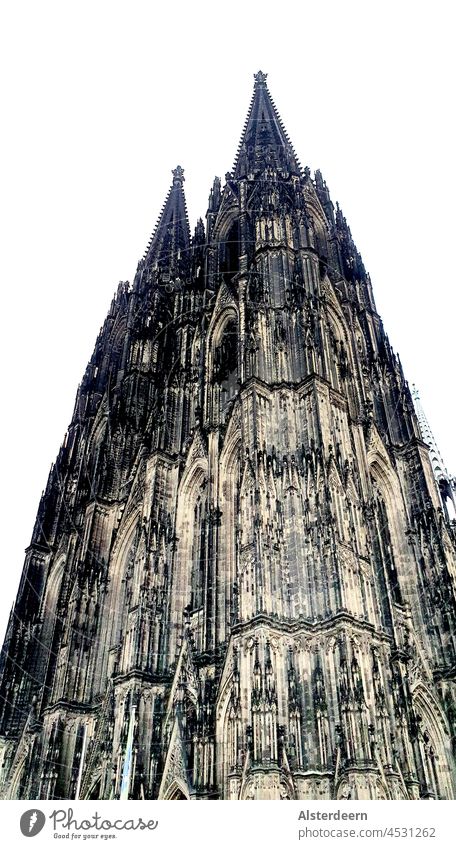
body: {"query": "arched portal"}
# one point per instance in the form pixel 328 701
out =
pixel 176 792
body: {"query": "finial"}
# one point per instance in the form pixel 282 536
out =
pixel 178 174
pixel 260 79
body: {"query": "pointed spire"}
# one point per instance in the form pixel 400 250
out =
pixel 171 237
pixel 199 236
pixel 264 141
pixel 215 196
pixel 438 466
pixel 324 196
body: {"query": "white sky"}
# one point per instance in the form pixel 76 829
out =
pixel 102 99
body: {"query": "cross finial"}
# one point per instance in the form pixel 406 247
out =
pixel 260 78
pixel 178 174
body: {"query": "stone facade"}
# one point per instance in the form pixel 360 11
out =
pixel 240 583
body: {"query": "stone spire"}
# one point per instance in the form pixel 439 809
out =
pixel 447 484
pixel 264 140
pixel 171 238
pixel 438 465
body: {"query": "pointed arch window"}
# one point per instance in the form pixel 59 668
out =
pixel 383 549
pixel 199 551
pixel 226 368
pixel 229 265
pixel 318 231
pixel 447 493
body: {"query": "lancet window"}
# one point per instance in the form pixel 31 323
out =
pixel 383 549
pixel 225 368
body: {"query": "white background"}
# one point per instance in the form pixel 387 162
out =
pixel 100 100
pixel 262 823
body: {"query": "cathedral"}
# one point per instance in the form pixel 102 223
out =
pixel 241 579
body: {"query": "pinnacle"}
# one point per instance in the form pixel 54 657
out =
pixel 178 174
pixel 260 79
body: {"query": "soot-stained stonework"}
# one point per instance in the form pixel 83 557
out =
pixel 240 583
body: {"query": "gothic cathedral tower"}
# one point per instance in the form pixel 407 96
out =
pixel 240 583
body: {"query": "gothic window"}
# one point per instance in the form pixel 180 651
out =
pixel 429 748
pixel 321 244
pixel 95 459
pixel 55 761
pixel 382 547
pixel 119 599
pixel 337 354
pixel 379 405
pixel 447 496
pixel 225 368
pixel 334 347
pixel 277 276
pixel 199 552
pixel 230 261
pixel 77 756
